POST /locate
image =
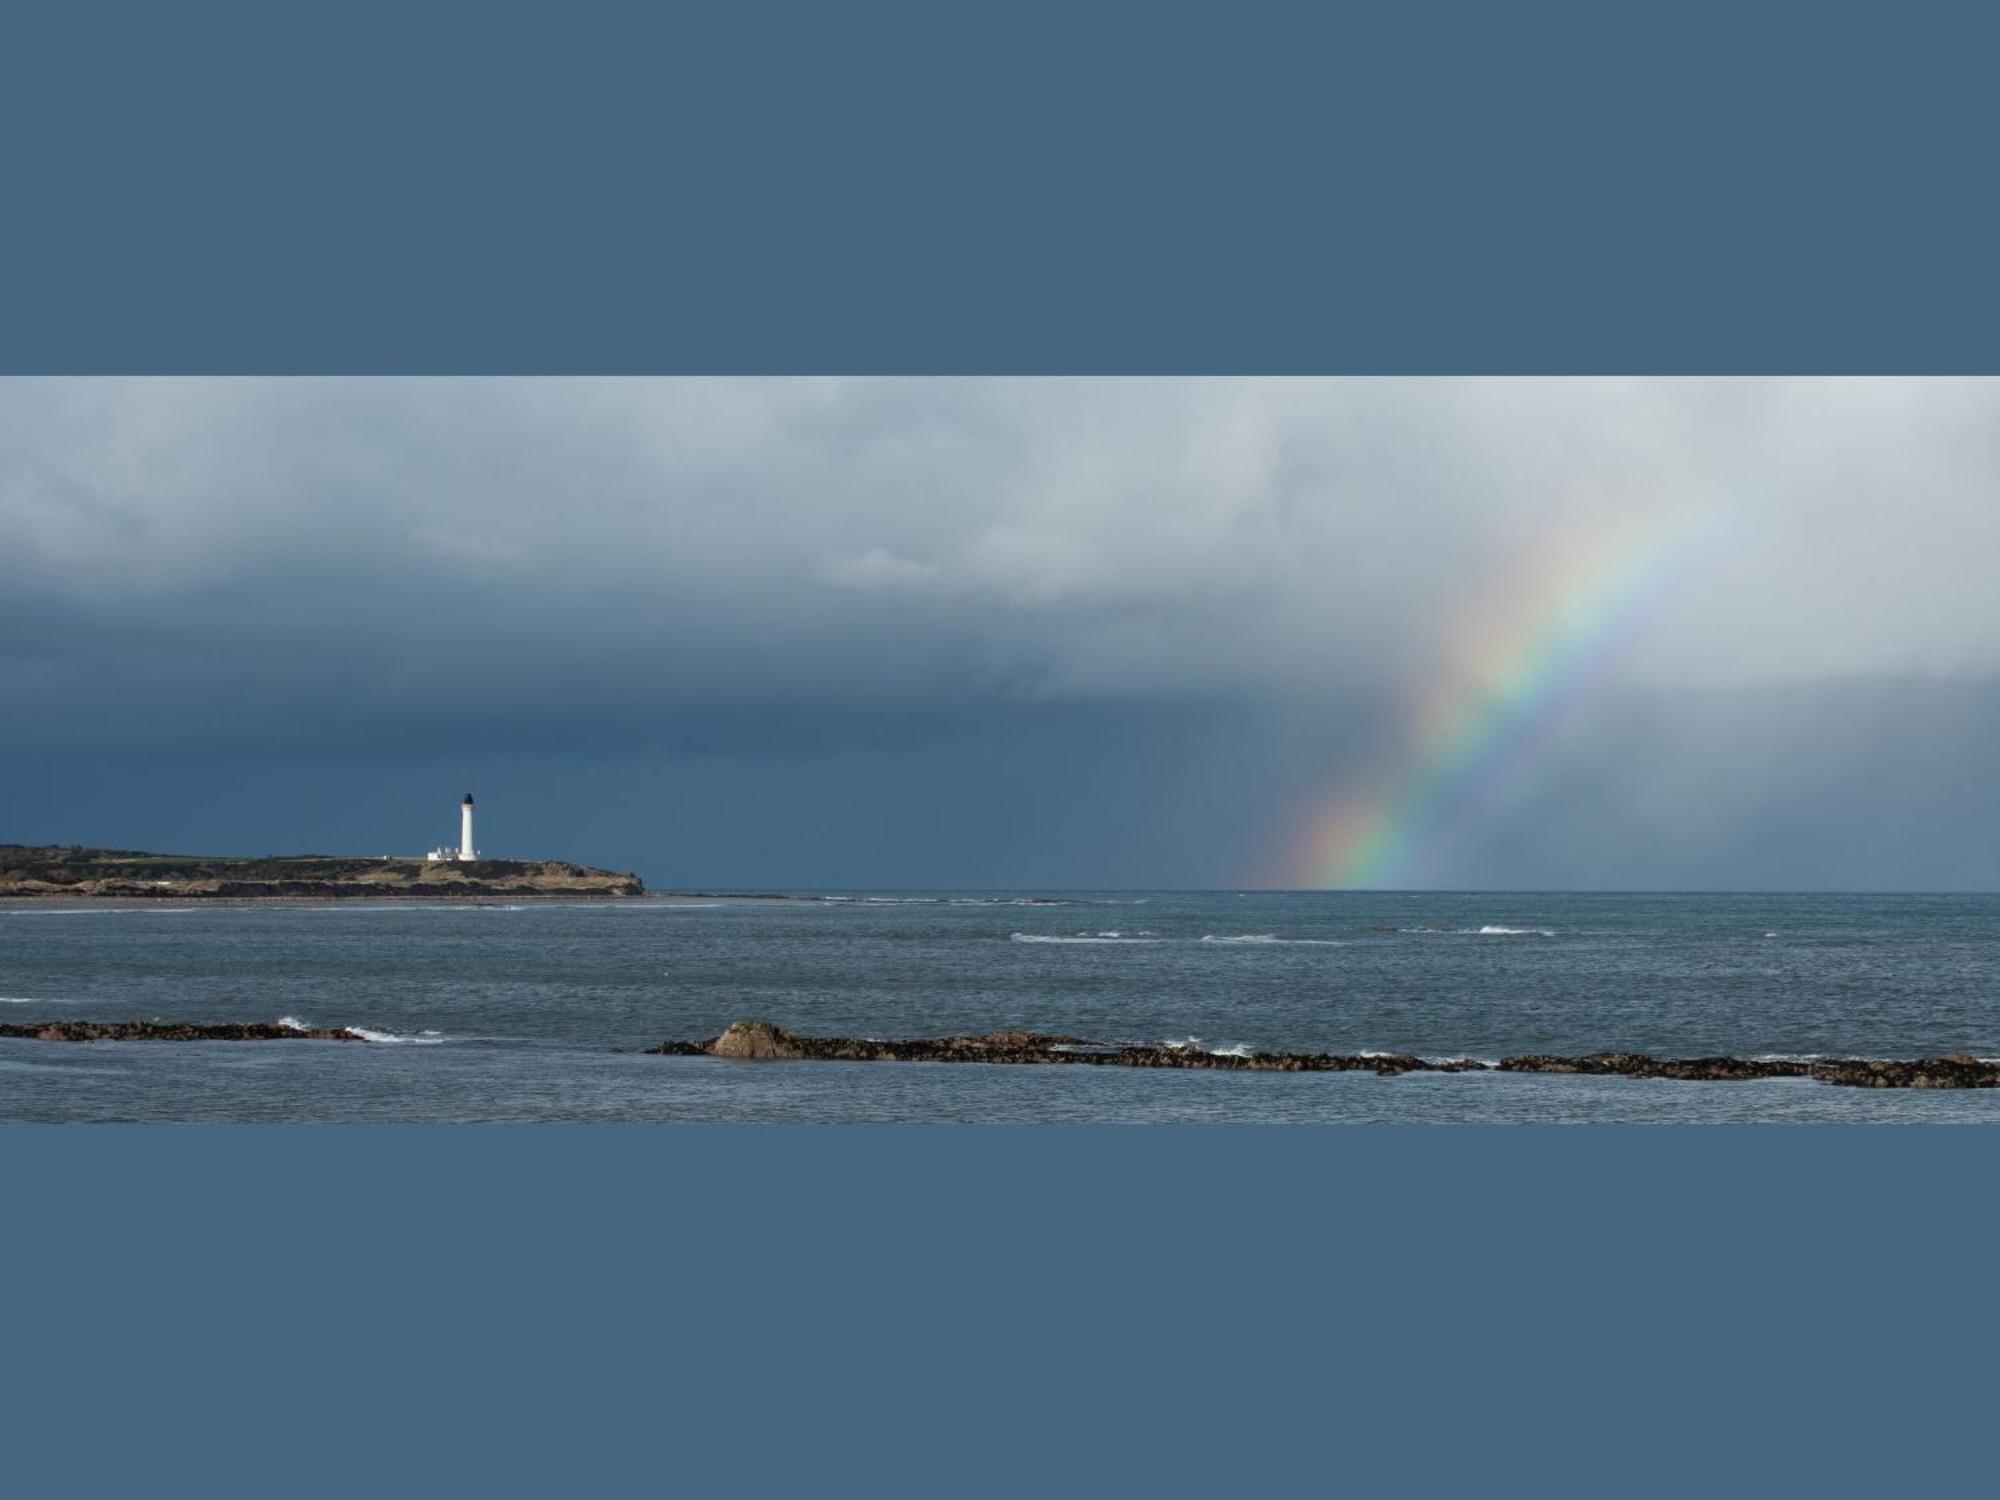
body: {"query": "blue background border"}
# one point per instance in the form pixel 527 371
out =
pixel 975 1310
pixel 770 186
pixel 914 188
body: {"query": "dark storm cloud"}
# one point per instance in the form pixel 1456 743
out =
pixel 1131 622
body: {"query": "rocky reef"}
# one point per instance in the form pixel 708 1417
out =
pixel 74 871
pixel 762 1041
pixel 1958 1070
pixel 176 1031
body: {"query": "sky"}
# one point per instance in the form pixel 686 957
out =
pixel 1062 633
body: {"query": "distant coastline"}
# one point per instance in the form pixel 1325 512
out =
pixel 53 872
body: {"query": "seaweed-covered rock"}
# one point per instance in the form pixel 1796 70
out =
pixel 1957 1071
pixel 176 1031
pixel 762 1039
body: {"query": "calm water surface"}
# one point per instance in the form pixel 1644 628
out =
pixel 506 1012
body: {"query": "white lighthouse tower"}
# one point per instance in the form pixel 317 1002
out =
pixel 464 851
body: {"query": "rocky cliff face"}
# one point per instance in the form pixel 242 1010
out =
pixel 42 870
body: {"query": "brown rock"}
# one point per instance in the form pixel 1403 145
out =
pixel 758 1040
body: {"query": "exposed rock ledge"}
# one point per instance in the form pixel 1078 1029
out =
pixel 177 1031
pixel 760 1040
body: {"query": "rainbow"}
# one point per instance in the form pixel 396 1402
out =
pixel 1516 673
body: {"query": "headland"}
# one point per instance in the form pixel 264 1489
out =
pixel 74 872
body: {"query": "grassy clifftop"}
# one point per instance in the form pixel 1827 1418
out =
pixel 70 870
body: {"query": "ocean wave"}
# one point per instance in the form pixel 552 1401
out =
pixel 370 1034
pixel 1263 938
pixel 420 1039
pixel 1491 929
pixel 1196 1044
pixel 1085 937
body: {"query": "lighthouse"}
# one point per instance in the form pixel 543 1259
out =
pixel 465 849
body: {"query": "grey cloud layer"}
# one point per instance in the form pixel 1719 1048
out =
pixel 1068 538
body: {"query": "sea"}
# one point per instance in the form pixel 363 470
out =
pixel 540 1011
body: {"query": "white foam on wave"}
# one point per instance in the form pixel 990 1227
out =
pixel 1491 929
pixel 369 1034
pixel 1196 1044
pixel 1457 1057
pixel 1084 937
pixel 420 1039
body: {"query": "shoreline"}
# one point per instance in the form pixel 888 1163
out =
pixel 190 900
